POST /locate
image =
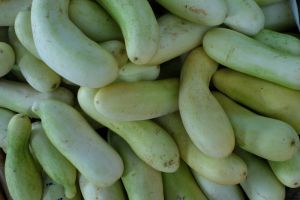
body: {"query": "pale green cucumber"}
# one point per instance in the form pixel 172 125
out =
pixel 7 58
pixel 93 20
pixel 266 137
pixel 52 161
pixel 23 179
pixel 19 49
pixel 203 117
pixel 5 116
pixel 118 50
pixel 261 183
pixel 288 171
pixel 230 170
pixel 3 34
pixel 24 31
pixel 149 141
pixel 280 41
pixel 262 96
pixel 69 132
pixel 65 49
pixel 96 125
pixel 91 192
pixel 215 191
pixel 131 72
pixel 19 97
pixel 139 27
pixel 249 56
pixel 177 36
pixel 139 179
pixel 124 101
pixel 181 185
pixel 9 10
pixel 266 2
pixel 244 16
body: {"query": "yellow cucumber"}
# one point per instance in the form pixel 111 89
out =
pixel 261 183
pixel 124 101
pixel 249 56
pixel 19 97
pixel 215 191
pixel 266 137
pixel 229 170
pixel 262 96
pixel 177 36
pixel 69 132
pixel 7 58
pixel 52 161
pixel 91 192
pixel 203 117
pixel 181 185
pixel 139 27
pixel 244 16
pixel 206 12
pixel 118 50
pixel 288 171
pixel 149 141
pixel 65 49
pixel 23 179
pixel 139 179
pixel 93 20
pixel 5 116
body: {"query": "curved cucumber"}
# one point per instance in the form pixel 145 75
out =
pixel 262 96
pixel 22 176
pixel 181 185
pixel 65 49
pixel 69 132
pixel 118 50
pixel 245 16
pixel 229 170
pixel 203 117
pixel 139 179
pixel 142 100
pixel 139 27
pixel 177 36
pixel 266 137
pixel 249 56
pixel 5 116
pixel 52 161
pixel 7 58
pixel 149 141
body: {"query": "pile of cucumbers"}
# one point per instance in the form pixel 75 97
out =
pixel 149 100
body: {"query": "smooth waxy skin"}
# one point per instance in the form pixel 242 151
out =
pixel 23 179
pixel 7 58
pixel 139 179
pixel 149 141
pixel 262 96
pixel 266 137
pixel 230 170
pixel 204 119
pixel 118 50
pixel 65 49
pixel 79 143
pixel 5 116
pixel 139 27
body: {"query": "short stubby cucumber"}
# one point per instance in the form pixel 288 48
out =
pixel 149 141
pixel 288 171
pixel 19 97
pixel 262 96
pixel 203 117
pixel 52 161
pixel 230 170
pixel 266 137
pixel 65 49
pixel 181 185
pixel 177 36
pixel 139 27
pixel 261 183
pixel 93 20
pixel 249 56
pixel 244 16
pixel 206 12
pixel 266 2
pixel 215 191
pixel 69 132
pixel 7 58
pixel 139 179
pixel 118 50
pixel 124 101
pixel 23 179
pixel 5 116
